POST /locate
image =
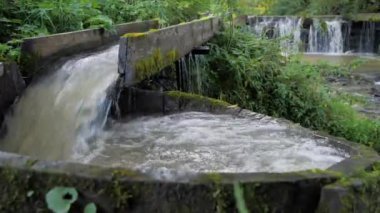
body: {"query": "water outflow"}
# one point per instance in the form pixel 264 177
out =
pixel 288 28
pixel 326 37
pixel 58 115
pixel 191 74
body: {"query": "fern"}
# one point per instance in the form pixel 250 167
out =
pixel 100 21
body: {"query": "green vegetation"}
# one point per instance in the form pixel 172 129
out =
pixel 251 72
pixel 27 18
pixel 241 69
pixel 321 7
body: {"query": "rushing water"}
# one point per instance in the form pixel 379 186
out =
pixel 191 142
pixel 57 115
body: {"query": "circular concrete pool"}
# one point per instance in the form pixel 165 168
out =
pixel 199 142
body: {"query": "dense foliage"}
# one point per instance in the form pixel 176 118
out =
pixel 27 18
pixel 251 72
pixel 321 7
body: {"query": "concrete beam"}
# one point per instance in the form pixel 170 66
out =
pixel 144 54
pixel 39 51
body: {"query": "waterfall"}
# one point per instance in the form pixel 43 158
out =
pixel 367 38
pixel 318 35
pixel 326 37
pixel 58 116
pixel 287 28
pixel 191 74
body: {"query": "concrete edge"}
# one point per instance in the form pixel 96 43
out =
pixel 38 52
pixel 143 54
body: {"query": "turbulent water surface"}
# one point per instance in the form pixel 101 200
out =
pixel 57 115
pixel 201 142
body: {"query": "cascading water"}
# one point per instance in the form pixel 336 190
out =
pixel 288 28
pixel 326 37
pixel 367 38
pixel 320 35
pixel 59 114
pixel 190 76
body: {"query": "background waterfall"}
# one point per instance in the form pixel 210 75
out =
pixel 367 38
pixel 326 37
pixel 287 28
pixel 318 35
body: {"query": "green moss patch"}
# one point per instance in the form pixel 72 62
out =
pixel 148 66
pixel 190 96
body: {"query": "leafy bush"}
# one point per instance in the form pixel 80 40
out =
pixel 251 72
pixel 323 7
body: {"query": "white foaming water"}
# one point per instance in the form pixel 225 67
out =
pixel 326 37
pixel 187 143
pixel 56 117
pixel 288 28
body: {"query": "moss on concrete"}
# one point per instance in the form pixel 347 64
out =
pixel 373 17
pixel 135 35
pixel 357 193
pixel 156 62
pixel 190 96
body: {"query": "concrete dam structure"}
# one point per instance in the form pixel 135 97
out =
pixel 87 122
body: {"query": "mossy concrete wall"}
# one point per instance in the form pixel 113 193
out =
pixel 143 54
pixel 38 52
pixel 11 86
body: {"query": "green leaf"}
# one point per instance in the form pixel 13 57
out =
pixel 90 208
pixel 59 199
pixel 239 198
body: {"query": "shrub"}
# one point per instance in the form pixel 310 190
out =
pixel 251 72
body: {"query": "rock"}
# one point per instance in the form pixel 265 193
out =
pixel 11 86
pixel 376 88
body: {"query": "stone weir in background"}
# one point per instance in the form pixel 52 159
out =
pixel 143 54
pixel 321 34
